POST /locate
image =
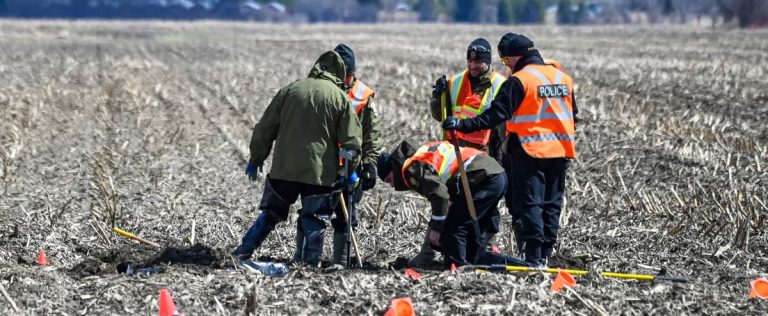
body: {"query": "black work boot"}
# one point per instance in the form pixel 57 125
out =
pixel 426 255
pixel 547 250
pixel 490 241
pixel 533 252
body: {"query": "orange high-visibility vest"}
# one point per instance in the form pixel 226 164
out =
pixel 466 104
pixel 544 121
pixel 441 157
pixel 359 96
pixel 547 61
pixel 554 63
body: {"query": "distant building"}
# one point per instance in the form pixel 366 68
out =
pixel 402 12
pixel 402 6
pixel 270 12
pixel 249 7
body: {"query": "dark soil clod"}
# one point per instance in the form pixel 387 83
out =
pixel 198 255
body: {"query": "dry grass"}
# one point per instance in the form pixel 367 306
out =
pixel 146 124
pixel 106 205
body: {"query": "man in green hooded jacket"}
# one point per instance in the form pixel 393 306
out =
pixel 307 120
pixel 361 98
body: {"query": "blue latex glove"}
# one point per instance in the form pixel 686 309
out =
pixel 451 123
pixel 353 179
pixel 253 170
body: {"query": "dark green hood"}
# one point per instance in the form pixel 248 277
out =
pixel 306 122
pixel 329 66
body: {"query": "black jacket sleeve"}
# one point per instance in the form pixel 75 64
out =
pixel 502 108
pixel 425 182
pixel 575 109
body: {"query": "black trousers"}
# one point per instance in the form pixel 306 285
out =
pixel 275 204
pixel 290 191
pixel 537 187
pixel 463 239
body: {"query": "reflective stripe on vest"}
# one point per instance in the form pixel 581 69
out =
pixel 545 137
pixel 441 158
pixel 465 103
pixel 544 120
pixel 359 96
pixel 551 62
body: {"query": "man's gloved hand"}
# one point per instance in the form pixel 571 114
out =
pixel 253 170
pixel 441 85
pixel 451 123
pixel 369 176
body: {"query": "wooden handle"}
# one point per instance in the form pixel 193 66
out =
pixel 351 232
pixel 464 180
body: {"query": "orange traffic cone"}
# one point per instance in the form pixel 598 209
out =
pixel 41 260
pixel 453 267
pixel 167 307
pixel 562 279
pixel 401 307
pixel 759 288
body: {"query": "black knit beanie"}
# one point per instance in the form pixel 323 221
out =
pixel 389 162
pixel 348 56
pixel 512 44
pixel 479 49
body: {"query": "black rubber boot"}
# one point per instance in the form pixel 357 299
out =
pixel 299 242
pixel 340 251
pixel 255 236
pixel 312 252
pixel 273 208
pixel 315 211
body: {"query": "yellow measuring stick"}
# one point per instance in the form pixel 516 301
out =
pixel 615 275
pixel 444 110
pixel 134 237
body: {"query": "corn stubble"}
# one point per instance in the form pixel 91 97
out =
pixel 145 125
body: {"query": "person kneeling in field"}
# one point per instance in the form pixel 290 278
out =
pixel 432 171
